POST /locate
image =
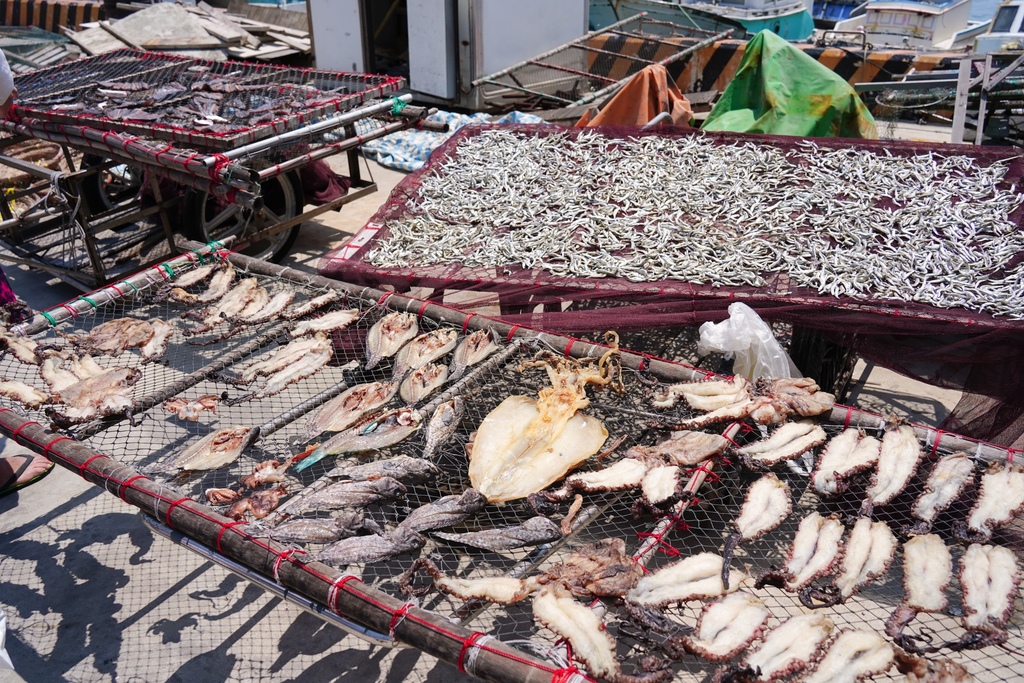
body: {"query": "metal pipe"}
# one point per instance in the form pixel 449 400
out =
pixel 582 39
pixel 604 92
pixel 297 599
pixel 319 127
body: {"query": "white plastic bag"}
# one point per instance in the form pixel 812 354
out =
pixel 748 339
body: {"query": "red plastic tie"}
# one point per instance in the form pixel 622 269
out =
pixel 84 465
pixel 664 546
pixel 724 461
pixel 225 527
pixel 695 501
pixel 70 309
pixel 511 333
pixel 332 595
pixel 465 322
pixel 849 414
pixel 1009 455
pixel 171 507
pixel 128 482
pixel 423 307
pixel 735 445
pixel 397 617
pixel 565 675
pixel 17 431
pixel 385 297
pixel 568 347
pixel 280 558
pixel 935 444
pixel 708 474
pixel 466 645
pixel 49 447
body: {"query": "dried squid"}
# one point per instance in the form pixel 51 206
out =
pixel 697 577
pixel 30 397
pixel 846 454
pixel 946 481
pixel 1001 497
pixel 785 443
pixel 766 505
pixel 897 461
pixel 852 656
pixel 815 551
pixel 22 348
pixel 869 551
pixel 787 649
pixel 525 445
pixel 727 626
pixel 927 570
pixel 989 579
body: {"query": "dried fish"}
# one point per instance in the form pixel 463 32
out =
pixel 533 531
pixel 30 397
pixel 422 382
pixel 388 335
pixel 314 304
pixel 185 409
pixel 312 362
pixel 331 322
pixel 286 356
pixel 345 525
pixel 345 409
pixel 897 461
pixel 442 425
pixel 372 548
pixel 271 310
pixel 195 276
pixel 424 349
pixel 113 337
pixel 22 348
pixel 96 397
pixel 156 347
pixel 785 443
pixel 344 494
pixel 372 433
pixel 220 284
pixel 227 307
pixel 401 467
pixel 444 512
pixel 474 348
pixel 214 450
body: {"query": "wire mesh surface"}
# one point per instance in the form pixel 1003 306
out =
pixel 159 436
pixel 213 104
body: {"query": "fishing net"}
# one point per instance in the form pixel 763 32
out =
pixel 840 260
pixel 701 520
pixel 211 104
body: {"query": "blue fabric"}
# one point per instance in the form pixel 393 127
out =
pixel 408 150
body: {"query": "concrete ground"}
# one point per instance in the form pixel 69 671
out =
pixel 92 596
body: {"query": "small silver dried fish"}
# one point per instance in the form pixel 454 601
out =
pixel 533 531
pixel 401 467
pixel 373 548
pixel 444 511
pixel 443 424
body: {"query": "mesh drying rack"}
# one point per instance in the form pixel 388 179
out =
pixel 491 642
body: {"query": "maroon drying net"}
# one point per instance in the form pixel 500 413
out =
pixel 956 347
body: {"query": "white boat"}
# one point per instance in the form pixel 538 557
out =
pixel 790 19
pixel 1006 33
pixel 920 24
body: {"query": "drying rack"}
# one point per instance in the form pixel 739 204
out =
pixel 156 144
pixel 496 643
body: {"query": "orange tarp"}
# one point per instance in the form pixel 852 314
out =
pixel 648 93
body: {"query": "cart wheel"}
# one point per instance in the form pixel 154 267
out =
pixel 206 218
pixel 111 187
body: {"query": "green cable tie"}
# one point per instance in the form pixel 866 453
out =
pixel 168 269
pixel 49 317
pixel 90 301
pixel 397 106
pixel 132 285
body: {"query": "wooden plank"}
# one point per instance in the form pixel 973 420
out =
pixel 183 44
pixel 297 43
pixel 94 41
pixel 294 20
pixel 274 51
pixel 106 26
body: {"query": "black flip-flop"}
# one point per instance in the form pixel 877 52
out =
pixel 12 484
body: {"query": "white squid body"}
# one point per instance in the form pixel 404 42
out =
pixel 518 451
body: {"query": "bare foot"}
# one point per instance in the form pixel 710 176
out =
pixel 16 472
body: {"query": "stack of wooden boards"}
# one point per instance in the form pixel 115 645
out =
pixel 200 31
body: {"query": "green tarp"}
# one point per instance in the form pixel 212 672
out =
pixel 779 90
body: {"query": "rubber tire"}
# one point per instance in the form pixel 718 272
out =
pixel 282 194
pixel 96 195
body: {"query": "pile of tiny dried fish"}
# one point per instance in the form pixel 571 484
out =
pixel 842 222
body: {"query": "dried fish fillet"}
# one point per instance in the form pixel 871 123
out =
pixel 424 349
pixel 271 309
pixel 845 455
pixel 767 504
pixel 475 348
pixel 852 656
pixel 727 626
pixel 336 320
pixel 195 276
pixel 311 363
pixel 96 397
pixel 30 397
pixel 533 531
pixel 113 337
pixel 372 433
pixel 156 347
pixel 422 382
pixel 285 356
pixel 388 335
pixel 22 348
pixel 314 304
pixel 442 425
pixel 214 450
pixel 347 408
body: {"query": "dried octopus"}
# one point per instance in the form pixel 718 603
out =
pixel 768 402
